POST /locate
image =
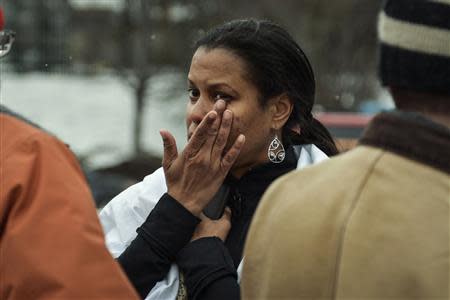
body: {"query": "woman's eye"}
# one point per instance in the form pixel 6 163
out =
pixel 193 93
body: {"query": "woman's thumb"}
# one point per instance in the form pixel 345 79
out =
pixel 227 214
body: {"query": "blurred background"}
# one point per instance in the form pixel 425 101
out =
pixel 106 75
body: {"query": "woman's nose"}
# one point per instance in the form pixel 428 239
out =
pixel 199 109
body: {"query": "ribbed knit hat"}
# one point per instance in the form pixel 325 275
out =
pixel 415 45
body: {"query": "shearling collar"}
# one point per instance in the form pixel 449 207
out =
pixel 411 135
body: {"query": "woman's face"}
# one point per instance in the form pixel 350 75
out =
pixel 219 74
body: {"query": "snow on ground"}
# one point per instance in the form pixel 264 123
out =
pixel 94 114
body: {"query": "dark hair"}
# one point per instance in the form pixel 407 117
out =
pixel 425 102
pixel 276 65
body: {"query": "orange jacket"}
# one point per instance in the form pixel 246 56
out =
pixel 51 242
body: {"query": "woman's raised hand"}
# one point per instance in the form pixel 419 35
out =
pixel 194 176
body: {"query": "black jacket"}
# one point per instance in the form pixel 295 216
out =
pixel 208 265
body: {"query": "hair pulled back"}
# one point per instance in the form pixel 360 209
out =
pixel 276 65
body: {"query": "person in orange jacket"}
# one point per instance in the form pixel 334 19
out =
pixel 51 242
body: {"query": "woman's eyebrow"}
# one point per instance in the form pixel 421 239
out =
pixel 214 86
pixel 221 85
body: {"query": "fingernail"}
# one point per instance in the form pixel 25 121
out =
pixel 227 114
pixel 241 138
pixel 212 115
pixel 220 104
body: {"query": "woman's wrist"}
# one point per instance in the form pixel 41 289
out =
pixel 190 204
pixel 193 208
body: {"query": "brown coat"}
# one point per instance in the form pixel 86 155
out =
pixel 51 242
pixel 370 224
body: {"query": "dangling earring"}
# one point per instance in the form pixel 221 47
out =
pixel 276 151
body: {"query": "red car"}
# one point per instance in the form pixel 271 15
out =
pixel 346 128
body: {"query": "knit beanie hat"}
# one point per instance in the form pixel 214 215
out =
pixel 414 40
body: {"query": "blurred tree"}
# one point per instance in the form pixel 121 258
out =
pixel 92 43
pixel 152 36
pixel 339 37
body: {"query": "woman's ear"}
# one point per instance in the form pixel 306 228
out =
pixel 281 108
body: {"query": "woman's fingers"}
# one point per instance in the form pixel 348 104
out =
pixel 213 228
pixel 206 131
pixel 203 217
pixel 232 154
pixel 227 214
pixel 222 135
pixel 220 106
pixel 170 149
pixel 195 176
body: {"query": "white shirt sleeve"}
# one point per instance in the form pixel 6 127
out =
pixel 127 211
